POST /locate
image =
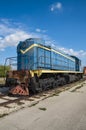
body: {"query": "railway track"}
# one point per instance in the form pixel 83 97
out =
pixel 9 104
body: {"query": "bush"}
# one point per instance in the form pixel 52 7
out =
pixel 3 70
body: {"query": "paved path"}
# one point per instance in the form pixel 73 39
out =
pixel 64 112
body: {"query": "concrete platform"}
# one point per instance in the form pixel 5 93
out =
pixel 66 111
pixel 11 104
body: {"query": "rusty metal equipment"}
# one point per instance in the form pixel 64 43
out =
pixel 18 90
pixel 84 70
pixel 19 82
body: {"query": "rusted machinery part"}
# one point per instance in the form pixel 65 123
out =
pixel 19 90
pixel 18 81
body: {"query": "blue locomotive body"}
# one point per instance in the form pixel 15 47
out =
pixel 40 67
pixel 34 55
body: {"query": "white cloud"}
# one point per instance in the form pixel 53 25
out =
pixel 40 30
pixel 10 35
pixel 71 51
pixel 56 6
pixel 14 38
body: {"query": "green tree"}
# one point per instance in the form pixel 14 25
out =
pixel 3 70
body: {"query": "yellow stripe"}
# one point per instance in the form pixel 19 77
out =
pixel 40 72
pixel 23 52
pixel 34 45
pixel 59 71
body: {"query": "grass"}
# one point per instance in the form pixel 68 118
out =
pixel 42 108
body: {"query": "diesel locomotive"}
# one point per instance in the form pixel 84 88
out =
pixel 41 67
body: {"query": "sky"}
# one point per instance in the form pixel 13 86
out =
pixel 61 23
